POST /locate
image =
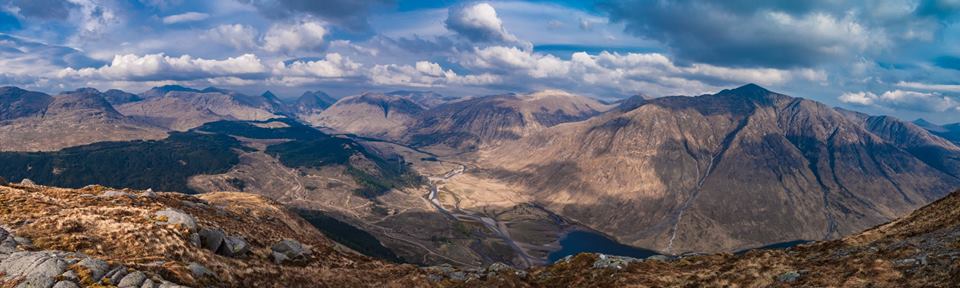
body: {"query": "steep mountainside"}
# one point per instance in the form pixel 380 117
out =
pixel 745 168
pixel 369 114
pixel 70 119
pixel 101 237
pixel 473 123
pixel 182 109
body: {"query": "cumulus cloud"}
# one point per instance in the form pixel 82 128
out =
pixel 93 18
pixel 161 67
pixel 333 65
pixel 185 17
pixel 479 22
pixel 425 74
pixel 930 87
pixel 900 99
pixel 236 35
pixel 301 36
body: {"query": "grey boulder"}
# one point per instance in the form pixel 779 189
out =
pixel 132 280
pixel 289 250
pixel 66 284
pixel 177 217
pixel 36 269
pixel 98 268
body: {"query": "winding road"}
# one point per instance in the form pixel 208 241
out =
pixel 495 226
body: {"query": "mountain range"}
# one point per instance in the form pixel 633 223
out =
pixel 427 179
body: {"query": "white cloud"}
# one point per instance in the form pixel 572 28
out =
pixel 900 99
pixel 94 18
pixel 297 37
pixel 162 67
pixel 425 74
pixel 333 65
pixel 479 22
pixel 185 17
pixel 236 35
pixel 858 98
pixel 930 87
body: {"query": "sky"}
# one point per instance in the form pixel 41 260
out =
pixel 894 57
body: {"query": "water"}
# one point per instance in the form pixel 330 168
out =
pixel 588 242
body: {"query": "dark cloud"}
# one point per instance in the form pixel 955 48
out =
pixel 778 33
pixel 348 14
pixel 44 9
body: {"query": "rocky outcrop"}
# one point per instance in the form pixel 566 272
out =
pixel 80 238
pixel 288 250
pixel 60 269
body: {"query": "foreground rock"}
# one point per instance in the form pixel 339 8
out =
pixel 78 238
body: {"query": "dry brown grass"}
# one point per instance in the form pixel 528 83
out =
pixel 123 230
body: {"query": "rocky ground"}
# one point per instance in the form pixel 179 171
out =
pixel 99 237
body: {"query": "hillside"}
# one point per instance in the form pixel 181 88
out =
pixel 490 120
pixel 369 114
pixel 745 167
pixel 180 108
pixel 32 121
pixel 100 236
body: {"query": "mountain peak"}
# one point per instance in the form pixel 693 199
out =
pixel 84 90
pixel 548 93
pixel 751 89
pixel 175 88
pixel 163 90
pixel 212 89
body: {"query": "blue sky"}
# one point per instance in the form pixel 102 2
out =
pixel 898 57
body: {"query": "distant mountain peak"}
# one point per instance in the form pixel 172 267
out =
pixel 212 89
pixel 159 91
pixel 549 93
pixel 751 90
pixel 176 88
pixel 84 90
